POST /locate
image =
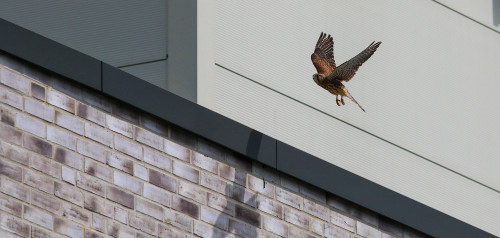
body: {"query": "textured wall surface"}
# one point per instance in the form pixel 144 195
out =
pixel 75 163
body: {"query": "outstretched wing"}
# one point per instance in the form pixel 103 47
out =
pixel 347 70
pixel 322 57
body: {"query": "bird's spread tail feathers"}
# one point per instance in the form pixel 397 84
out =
pixel 352 99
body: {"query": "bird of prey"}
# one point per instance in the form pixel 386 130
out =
pixel 330 76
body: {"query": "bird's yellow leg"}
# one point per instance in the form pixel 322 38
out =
pixel 342 100
pixel 337 100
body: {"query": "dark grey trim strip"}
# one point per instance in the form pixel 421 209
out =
pixel 371 195
pixel 188 115
pixel 231 134
pixel 49 54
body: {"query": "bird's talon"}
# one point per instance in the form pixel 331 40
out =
pixel 342 101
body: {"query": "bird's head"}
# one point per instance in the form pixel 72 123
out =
pixel 318 78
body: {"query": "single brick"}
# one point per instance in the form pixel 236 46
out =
pixel 241 229
pixel 239 162
pixel 128 147
pixel 61 101
pixel 38 91
pixel 186 207
pixel 10 205
pixel 67 228
pixel 367 231
pixel 180 221
pixel 69 158
pixel 15 189
pixel 76 214
pixel 45 202
pixel 92 150
pixel 213 182
pixel 149 209
pixel 242 195
pixel 69 122
pixel 203 230
pixel 192 191
pixel 232 174
pixel 93 234
pixel 127 182
pixel 15 81
pixel 45 166
pixel 11 170
pixel 148 138
pixel 90 184
pixel 98 222
pixel 121 197
pixel 269 174
pixel 331 231
pixel 7 115
pixel 260 186
pixel 220 203
pixel 170 232
pixel 176 150
pixel 37 232
pixel 10 134
pixel 158 195
pixel 30 125
pixel 98 134
pixel 342 221
pixel 289 182
pixel 39 109
pixel 313 192
pixel 38 217
pixel 247 215
pixel 11 98
pixel 214 218
pixel 38 181
pixel 143 223
pixel 99 205
pixel 68 175
pixel 162 180
pixel 275 226
pixel 297 218
pixel 204 162
pixel 184 171
pixel 14 225
pixel 38 145
pixel 390 226
pixel 296 232
pixel 316 210
pixel 91 114
pixel 289 198
pixel 14 153
pixel 121 215
pixel 269 206
pixel 141 172
pixel 317 226
pixel 68 193
pixel 120 126
pixel 120 162
pixel 157 159
pixel 117 230
pixel 98 170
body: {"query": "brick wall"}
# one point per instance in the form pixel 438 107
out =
pixel 76 163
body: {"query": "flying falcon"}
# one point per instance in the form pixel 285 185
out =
pixel 330 76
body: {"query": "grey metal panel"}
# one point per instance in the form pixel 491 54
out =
pixel 182 48
pixel 155 72
pixel 188 115
pixel 50 55
pixel 117 32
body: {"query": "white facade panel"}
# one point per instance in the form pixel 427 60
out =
pixel 431 88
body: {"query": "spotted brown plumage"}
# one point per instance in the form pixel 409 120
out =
pixel 330 76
